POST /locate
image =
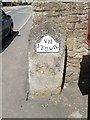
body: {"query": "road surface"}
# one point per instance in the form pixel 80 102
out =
pixel 15 62
pixel 20 15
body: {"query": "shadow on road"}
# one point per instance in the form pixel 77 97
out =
pixel 84 79
pixel 7 41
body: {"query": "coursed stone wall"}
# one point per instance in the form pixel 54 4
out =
pixel 72 17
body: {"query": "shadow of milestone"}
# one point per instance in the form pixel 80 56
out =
pixel 64 73
pixel 84 79
pixel 7 41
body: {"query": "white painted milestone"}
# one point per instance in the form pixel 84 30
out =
pixel 47 45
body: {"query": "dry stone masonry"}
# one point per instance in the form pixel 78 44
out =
pixel 65 18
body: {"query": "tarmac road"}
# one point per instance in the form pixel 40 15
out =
pixel 15 62
pixel 20 15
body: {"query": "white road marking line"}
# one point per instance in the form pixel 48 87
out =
pixel 24 23
pixel 8 11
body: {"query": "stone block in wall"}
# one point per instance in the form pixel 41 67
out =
pixel 70 26
pixel 81 25
pixel 79 33
pixel 70 33
pixel 50 6
pixel 72 72
pixel 70 43
pixel 53 14
pixel 73 60
pixel 70 18
pixel 79 7
pixel 37 18
pixel 82 17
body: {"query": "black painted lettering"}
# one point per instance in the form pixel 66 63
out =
pixel 45 41
pixel 55 47
pixel 46 49
pixel 50 41
pixel 41 47
pixel 37 45
pixel 50 48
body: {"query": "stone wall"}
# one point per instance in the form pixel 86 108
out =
pixel 72 17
